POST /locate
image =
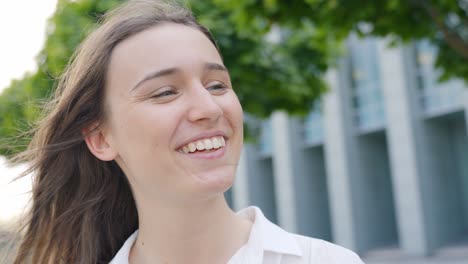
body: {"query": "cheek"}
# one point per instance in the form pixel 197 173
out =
pixel 142 130
pixel 235 111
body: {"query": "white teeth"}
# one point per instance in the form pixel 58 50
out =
pixel 204 144
pixel 207 144
pixel 185 149
pixel 192 147
pixel 216 143
pixel 200 145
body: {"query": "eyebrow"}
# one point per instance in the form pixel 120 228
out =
pixel 215 67
pixel 210 66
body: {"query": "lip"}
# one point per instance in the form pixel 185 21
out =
pixel 204 135
pixel 218 153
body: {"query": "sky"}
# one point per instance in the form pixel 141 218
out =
pixel 22 33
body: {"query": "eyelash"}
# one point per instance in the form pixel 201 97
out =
pixel 215 87
pixel 165 93
pixel 218 86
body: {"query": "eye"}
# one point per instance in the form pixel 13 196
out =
pixel 217 88
pixel 164 93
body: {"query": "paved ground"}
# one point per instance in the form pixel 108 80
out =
pixel 453 254
pixel 419 261
pixel 433 260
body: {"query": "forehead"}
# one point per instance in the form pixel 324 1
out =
pixel 160 47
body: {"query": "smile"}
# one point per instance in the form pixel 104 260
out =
pixel 203 145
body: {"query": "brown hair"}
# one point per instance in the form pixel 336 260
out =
pixel 82 208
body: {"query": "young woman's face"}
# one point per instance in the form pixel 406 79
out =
pixel 168 93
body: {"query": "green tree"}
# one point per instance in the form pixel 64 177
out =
pixel 443 22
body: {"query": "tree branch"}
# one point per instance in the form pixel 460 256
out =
pixel 454 40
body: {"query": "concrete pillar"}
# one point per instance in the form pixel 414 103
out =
pixel 463 164
pixel 254 184
pixel 283 170
pixel 402 108
pixel 300 184
pixel 339 159
pixel 240 188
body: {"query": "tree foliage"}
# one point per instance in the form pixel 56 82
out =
pixel 276 50
pixel 269 74
pixel 443 22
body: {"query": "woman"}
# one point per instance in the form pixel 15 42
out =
pixel 139 146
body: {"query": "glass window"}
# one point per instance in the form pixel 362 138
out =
pixel 367 95
pixel 265 141
pixel 436 96
pixel 313 125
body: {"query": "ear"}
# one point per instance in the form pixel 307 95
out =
pixel 98 143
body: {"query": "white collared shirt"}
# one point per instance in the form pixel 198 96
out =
pixel 269 244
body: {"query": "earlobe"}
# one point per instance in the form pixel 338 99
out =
pixel 98 143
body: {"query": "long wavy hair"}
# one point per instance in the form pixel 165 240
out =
pixel 82 208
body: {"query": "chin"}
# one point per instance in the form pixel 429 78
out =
pixel 216 180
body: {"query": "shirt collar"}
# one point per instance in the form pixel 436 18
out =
pixel 264 236
pixel 268 236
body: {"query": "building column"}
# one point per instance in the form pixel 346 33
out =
pixel 299 180
pixel 240 188
pixel 402 108
pixel 465 104
pixel 254 183
pixel 340 162
pixel 283 137
pixel 464 165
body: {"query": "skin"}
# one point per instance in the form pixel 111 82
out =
pixel 183 215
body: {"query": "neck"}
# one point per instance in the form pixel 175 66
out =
pixel 205 232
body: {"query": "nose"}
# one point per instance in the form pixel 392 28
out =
pixel 203 106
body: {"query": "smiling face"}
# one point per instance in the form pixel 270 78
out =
pixel 174 123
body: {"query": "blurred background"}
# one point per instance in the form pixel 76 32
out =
pixel 355 111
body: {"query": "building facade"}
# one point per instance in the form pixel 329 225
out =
pixel 381 161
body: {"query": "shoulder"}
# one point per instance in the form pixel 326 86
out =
pixel 291 248
pixel 321 251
